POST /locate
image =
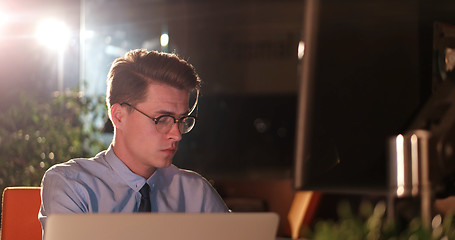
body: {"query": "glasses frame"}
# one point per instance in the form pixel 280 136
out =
pixel 157 119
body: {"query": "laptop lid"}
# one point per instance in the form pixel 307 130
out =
pixel 162 226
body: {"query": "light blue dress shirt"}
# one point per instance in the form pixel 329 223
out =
pixel 104 184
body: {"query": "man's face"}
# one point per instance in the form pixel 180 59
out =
pixel 143 146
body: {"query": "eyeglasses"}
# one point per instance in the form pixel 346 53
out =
pixel 164 123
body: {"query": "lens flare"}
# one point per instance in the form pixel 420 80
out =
pixel 53 34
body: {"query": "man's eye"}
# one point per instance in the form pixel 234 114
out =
pixel 165 120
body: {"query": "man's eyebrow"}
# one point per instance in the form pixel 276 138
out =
pixel 163 112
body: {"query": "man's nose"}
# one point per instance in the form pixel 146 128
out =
pixel 174 133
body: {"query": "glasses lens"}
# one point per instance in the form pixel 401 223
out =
pixel 164 124
pixel 186 124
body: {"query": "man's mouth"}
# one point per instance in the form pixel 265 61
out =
pixel 171 150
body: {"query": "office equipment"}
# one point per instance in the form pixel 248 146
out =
pixel 163 226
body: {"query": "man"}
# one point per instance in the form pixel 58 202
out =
pixel 148 102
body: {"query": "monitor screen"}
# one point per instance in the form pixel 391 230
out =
pixel 366 72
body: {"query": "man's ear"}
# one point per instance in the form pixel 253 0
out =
pixel 117 115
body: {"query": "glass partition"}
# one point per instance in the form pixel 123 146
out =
pixel 246 53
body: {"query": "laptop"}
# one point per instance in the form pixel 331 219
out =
pixel 163 226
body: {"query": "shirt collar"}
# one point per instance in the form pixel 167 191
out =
pixel 133 180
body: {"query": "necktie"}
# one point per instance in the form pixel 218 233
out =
pixel 145 205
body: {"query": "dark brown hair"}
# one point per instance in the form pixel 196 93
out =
pixel 131 74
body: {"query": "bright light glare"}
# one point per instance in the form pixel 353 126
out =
pixel 400 165
pixel 3 21
pixel 3 18
pixel 164 40
pixel 301 50
pixel 87 34
pixel 53 34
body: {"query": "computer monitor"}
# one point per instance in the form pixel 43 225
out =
pixel 366 72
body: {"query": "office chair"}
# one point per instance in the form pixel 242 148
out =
pixel 20 208
pixel 302 211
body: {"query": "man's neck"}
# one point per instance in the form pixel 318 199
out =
pixel 143 171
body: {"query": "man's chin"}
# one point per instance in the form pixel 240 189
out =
pixel 165 163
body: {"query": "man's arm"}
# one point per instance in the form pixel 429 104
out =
pixel 213 201
pixel 60 195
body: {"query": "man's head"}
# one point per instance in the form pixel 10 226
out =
pixel 130 75
pixel 147 91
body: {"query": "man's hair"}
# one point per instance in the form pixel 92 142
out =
pixel 131 74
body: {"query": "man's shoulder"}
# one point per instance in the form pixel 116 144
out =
pixel 184 176
pixel 78 165
pixel 175 171
pixel 190 174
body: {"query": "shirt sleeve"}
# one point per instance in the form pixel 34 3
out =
pixel 213 201
pixel 59 195
pixel 190 192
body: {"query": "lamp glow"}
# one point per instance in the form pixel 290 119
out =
pixel 400 165
pixel 164 39
pixel 53 34
pixel 301 50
